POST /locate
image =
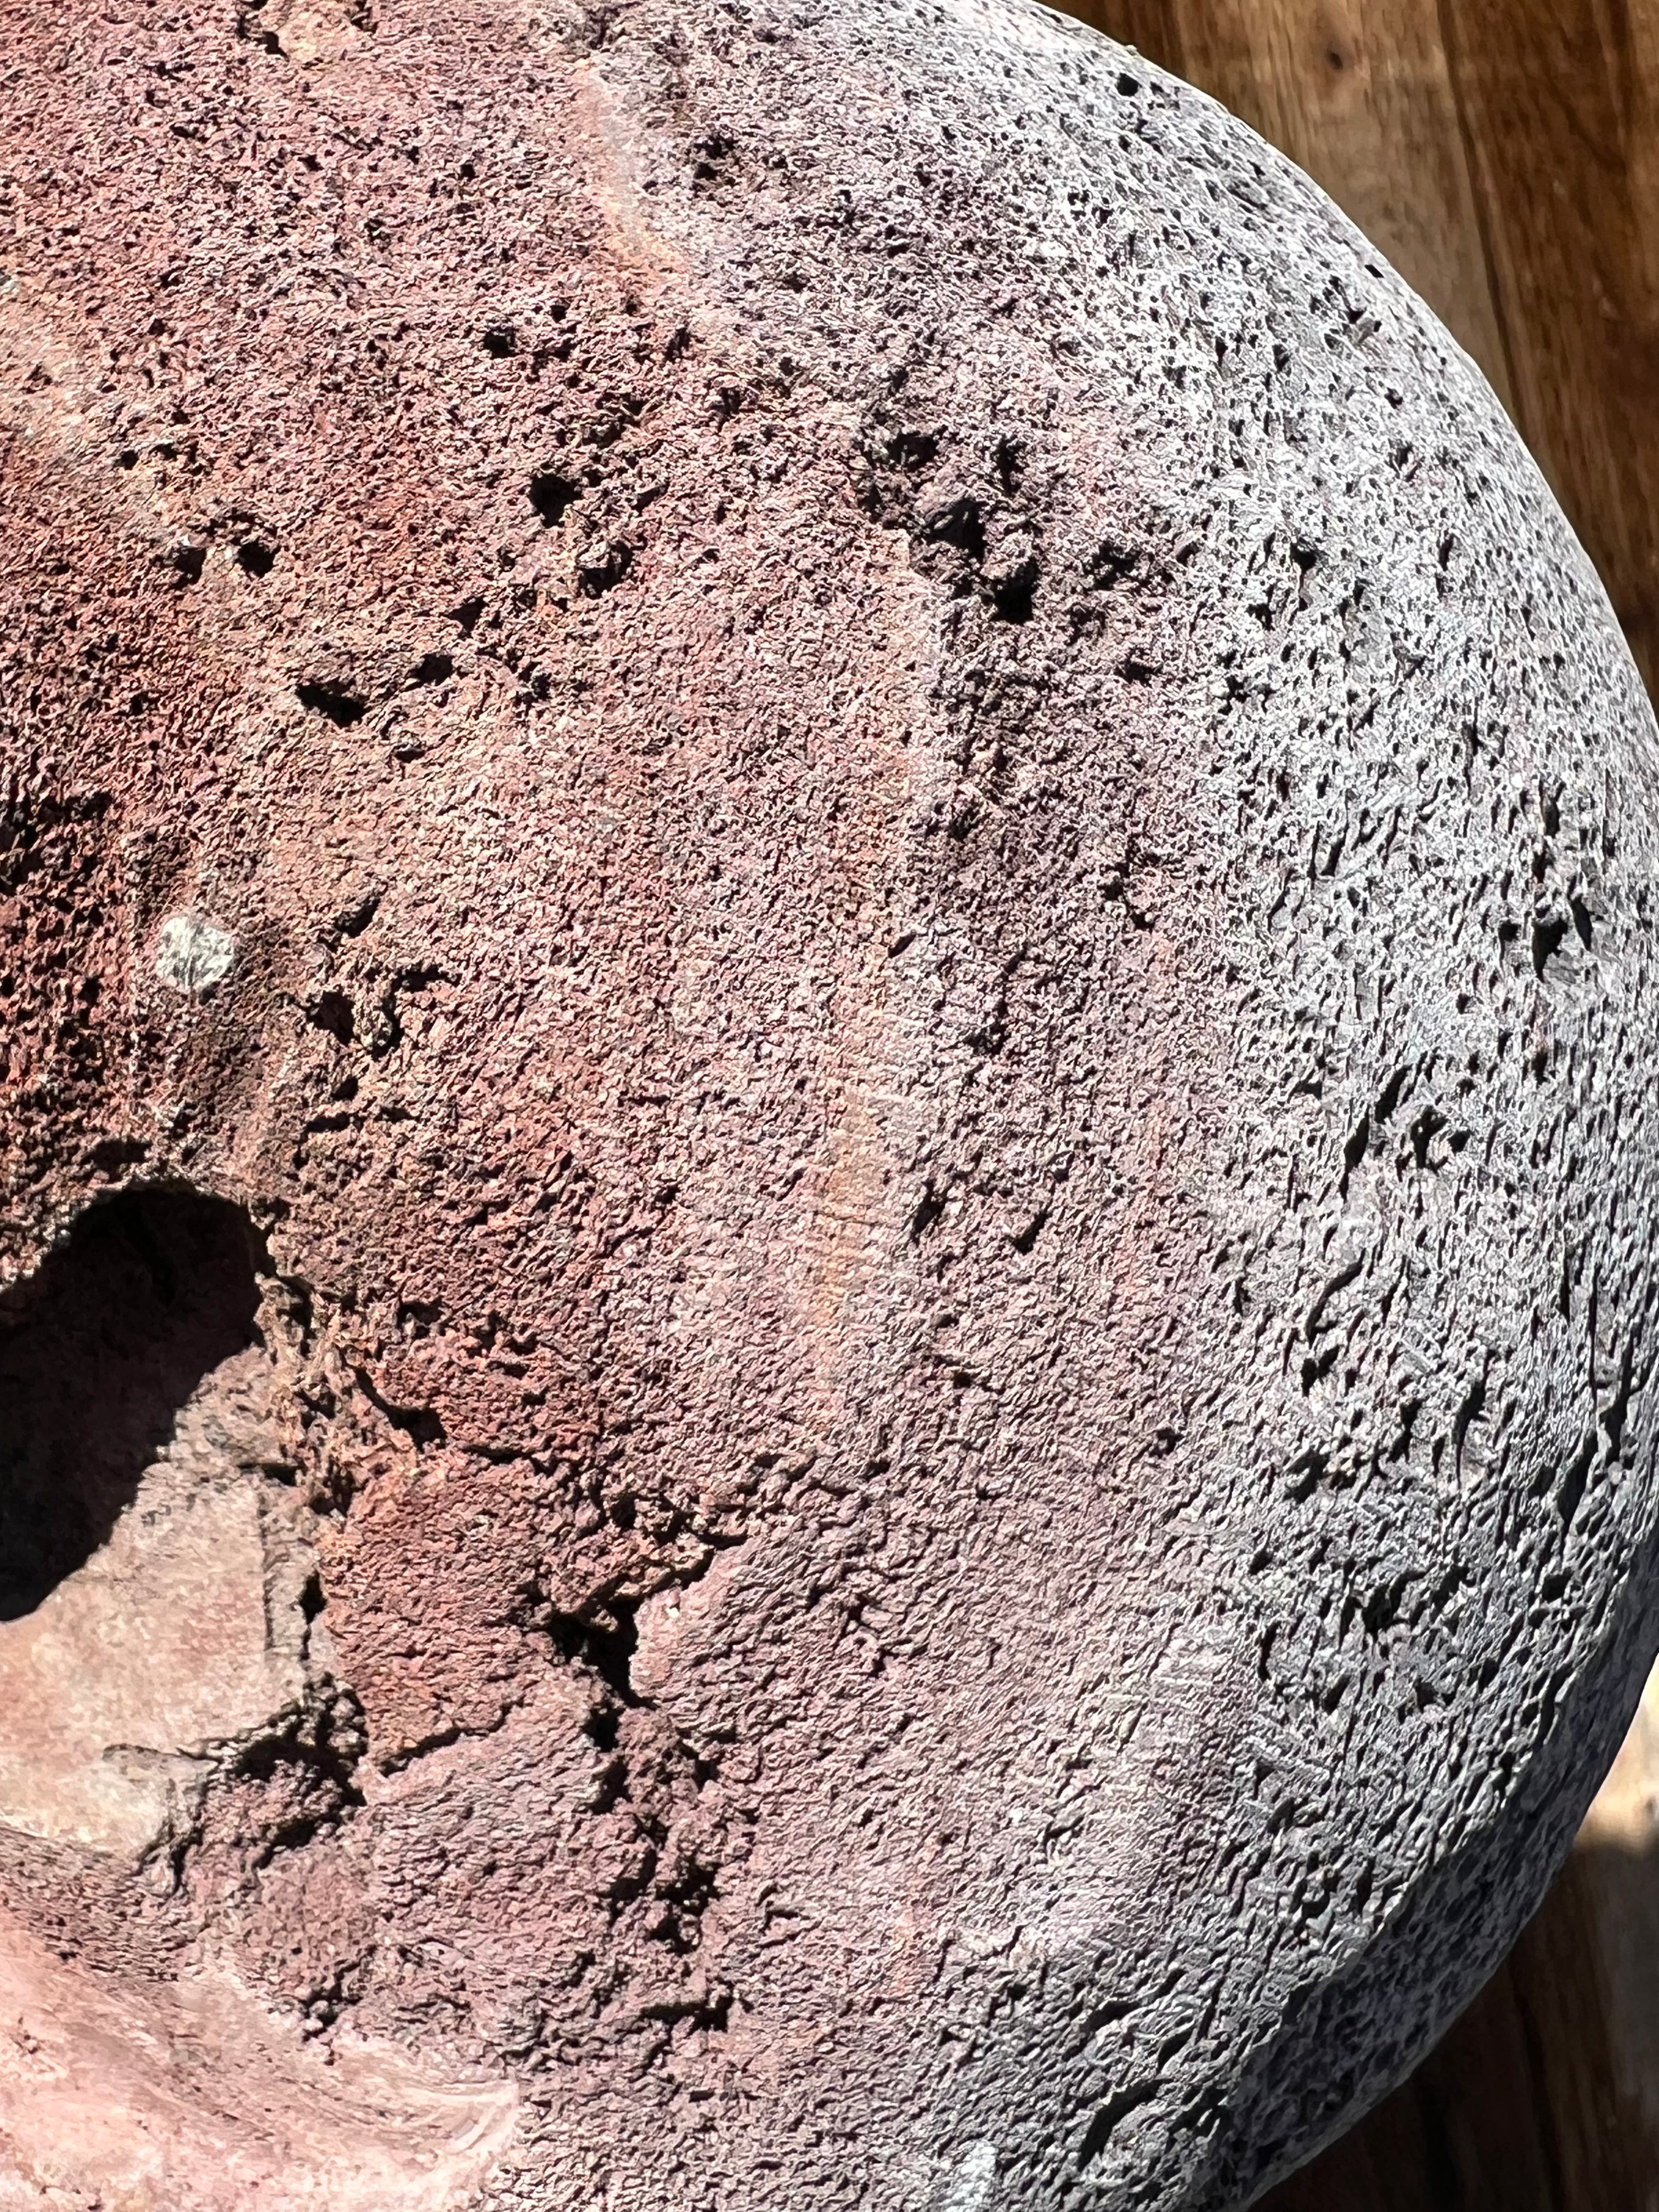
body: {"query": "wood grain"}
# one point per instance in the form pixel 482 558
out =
pixel 1561 102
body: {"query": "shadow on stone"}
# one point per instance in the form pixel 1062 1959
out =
pixel 98 1350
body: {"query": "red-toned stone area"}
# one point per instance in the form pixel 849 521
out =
pixel 891 879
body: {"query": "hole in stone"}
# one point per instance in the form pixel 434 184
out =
pixel 99 1350
pixel 601 565
pixel 913 449
pixel 606 1645
pixel 333 1012
pixel 1014 597
pixel 552 495
pixel 961 523
pixel 342 706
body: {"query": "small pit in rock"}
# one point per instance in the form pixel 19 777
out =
pixel 552 495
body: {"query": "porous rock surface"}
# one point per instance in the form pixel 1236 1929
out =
pixel 864 818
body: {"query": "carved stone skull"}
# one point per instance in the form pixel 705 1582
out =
pixel 828 1124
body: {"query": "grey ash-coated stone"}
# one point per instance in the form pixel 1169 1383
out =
pixel 944 883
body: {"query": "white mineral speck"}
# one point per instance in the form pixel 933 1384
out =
pixel 193 953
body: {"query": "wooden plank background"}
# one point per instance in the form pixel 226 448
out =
pixel 1504 154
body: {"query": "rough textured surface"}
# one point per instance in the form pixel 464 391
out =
pixel 1543 2096
pixel 940 877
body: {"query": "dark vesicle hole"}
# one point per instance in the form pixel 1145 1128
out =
pixel 432 668
pixel 1613 1420
pixel 354 918
pixel 607 1647
pixel 601 1728
pixel 333 1012
pixel 552 495
pixel 1473 1406
pixel 1423 1132
pixel 187 562
pixel 1112 563
pixel 1026 1239
pixel 1382 1609
pixel 1106 2121
pixel 1393 1090
pixel 254 559
pixel 1306 1471
pixel 1547 936
pixel 962 524
pixel 913 449
pixel 712 149
pixel 1354 1151
pixel 99 1351
pixel 929 1209
pixel 1571 1494
pixel 1015 600
pixel 342 707
pixel 602 566
pixel 501 340
pixel 114 1156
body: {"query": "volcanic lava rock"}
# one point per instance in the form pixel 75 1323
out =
pixel 827 907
